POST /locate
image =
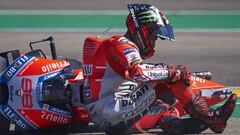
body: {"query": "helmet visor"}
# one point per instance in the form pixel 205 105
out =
pixel 165 32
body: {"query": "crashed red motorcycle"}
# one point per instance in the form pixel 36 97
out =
pixel 200 84
pixel 37 91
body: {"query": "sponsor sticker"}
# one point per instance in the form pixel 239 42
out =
pixel 128 50
pixel 45 106
pixel 139 109
pixel 51 75
pixel 59 111
pixel 158 74
pixel 12 69
pixel 54 117
pixel 11 114
pixel 134 17
pixel 135 96
pixel 197 80
pixel 53 66
pixel 133 56
pixel 87 69
pixel 87 93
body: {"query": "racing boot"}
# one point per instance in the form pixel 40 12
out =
pixel 217 118
pixel 224 112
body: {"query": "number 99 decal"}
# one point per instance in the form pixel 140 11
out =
pixel 26 93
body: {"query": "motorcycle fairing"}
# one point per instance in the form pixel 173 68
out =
pixel 54 109
pixel 40 66
pixel 45 77
pixel 213 92
pixel 24 78
pixel 11 70
pixel 44 118
pixel 13 116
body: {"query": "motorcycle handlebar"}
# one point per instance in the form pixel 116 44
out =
pixel 202 74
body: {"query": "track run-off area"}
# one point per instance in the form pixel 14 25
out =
pixel 99 21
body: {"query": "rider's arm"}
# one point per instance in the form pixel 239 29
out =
pixel 145 72
pixel 124 59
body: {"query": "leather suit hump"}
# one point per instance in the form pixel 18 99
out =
pixel 100 55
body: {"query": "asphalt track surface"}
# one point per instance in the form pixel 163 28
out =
pixel 211 51
pixel 215 52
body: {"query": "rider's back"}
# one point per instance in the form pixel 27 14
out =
pixel 106 63
pixel 94 67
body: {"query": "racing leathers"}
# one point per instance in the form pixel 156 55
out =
pixel 119 88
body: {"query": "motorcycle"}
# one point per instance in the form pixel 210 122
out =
pixel 37 91
pixel 200 84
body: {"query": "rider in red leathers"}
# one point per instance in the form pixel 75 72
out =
pixel 120 89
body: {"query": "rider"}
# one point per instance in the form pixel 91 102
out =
pixel 119 87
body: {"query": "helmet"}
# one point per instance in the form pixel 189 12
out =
pixel 145 24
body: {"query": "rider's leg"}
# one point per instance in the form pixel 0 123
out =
pixel 169 120
pixel 172 124
pixel 197 107
pixel 164 94
pixel 151 119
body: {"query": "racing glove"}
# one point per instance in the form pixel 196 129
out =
pixel 177 73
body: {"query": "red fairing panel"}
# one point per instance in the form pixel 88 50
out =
pixel 41 118
pixel 40 66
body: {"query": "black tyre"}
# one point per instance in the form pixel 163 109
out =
pixel 4 126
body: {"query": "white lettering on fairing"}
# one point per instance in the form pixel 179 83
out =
pixel 13 117
pixel 197 79
pixel 54 118
pixel 50 76
pixel 53 66
pixel 18 64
